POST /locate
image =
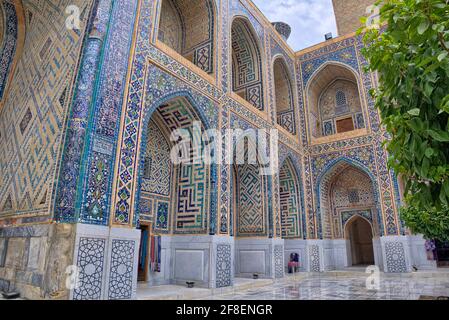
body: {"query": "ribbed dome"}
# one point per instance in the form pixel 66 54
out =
pixel 283 29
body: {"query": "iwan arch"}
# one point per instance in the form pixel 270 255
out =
pixel 86 178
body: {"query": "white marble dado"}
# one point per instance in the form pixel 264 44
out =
pixel 194 258
pixel 106 259
pixel 258 255
pixel 418 253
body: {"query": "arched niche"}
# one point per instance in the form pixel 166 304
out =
pixel 247 79
pixel 345 191
pixel 188 27
pixel 334 101
pixel 284 96
pixel 174 196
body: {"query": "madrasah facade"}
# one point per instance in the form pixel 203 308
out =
pixel 86 178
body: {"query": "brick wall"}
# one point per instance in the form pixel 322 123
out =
pixel 348 13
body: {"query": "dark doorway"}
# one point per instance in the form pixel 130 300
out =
pixel 360 235
pixel 144 253
pixel 442 250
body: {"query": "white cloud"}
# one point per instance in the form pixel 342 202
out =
pixel 310 19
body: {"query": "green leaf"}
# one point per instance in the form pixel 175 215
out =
pixel 429 152
pixel 423 27
pixel 439 135
pixel 442 56
pixel 414 112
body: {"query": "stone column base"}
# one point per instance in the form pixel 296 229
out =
pixel 205 260
pixel 106 259
pixel 401 253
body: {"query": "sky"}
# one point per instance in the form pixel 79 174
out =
pixel 310 19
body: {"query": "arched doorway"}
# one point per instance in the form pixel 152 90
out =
pixel 174 194
pixel 359 234
pixel 346 193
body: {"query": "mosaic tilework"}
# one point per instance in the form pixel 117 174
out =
pixel 279 261
pixel 395 256
pixel 287 154
pixel 247 64
pixel 347 215
pixel 314 258
pixel 32 117
pixel 340 99
pixel 188 28
pixel 157 179
pixel 90 262
pixel 157 170
pixel 159 86
pixel 289 202
pixel 224 260
pixel 284 97
pixel 108 104
pixel 8 43
pixel 323 183
pixel 251 218
pixel 121 269
pixel 79 117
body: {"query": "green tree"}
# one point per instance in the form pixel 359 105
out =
pixel 410 54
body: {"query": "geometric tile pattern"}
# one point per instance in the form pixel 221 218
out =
pixel 247 64
pixel 106 108
pixel 289 202
pixel 188 28
pixel 395 256
pixel 121 269
pixel 314 258
pixel 157 169
pixel 90 262
pixel 32 117
pixel 156 179
pixel 279 261
pixel 8 42
pixel 72 170
pixel 340 99
pixel 250 217
pixel 223 262
pixel 104 130
pixel 284 96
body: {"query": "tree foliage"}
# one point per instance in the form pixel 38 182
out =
pixel 410 54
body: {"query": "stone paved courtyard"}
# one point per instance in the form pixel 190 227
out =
pixel 345 288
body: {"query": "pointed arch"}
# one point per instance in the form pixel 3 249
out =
pixel 284 96
pixel 189 28
pixel 335 101
pixel 352 219
pixel 193 202
pixel 247 66
pixel 329 220
pixel 359 234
